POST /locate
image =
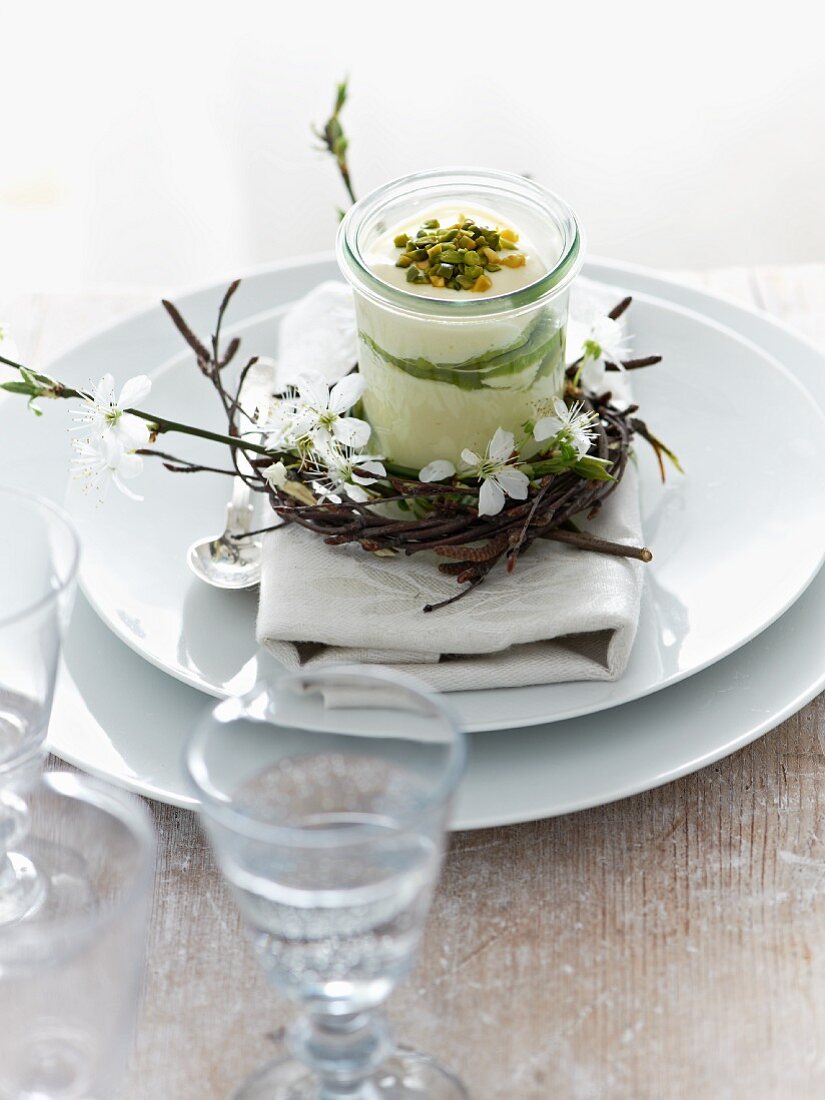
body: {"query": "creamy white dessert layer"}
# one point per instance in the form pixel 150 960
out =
pixel 410 337
pixel 416 420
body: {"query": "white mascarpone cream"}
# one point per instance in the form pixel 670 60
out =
pixel 437 383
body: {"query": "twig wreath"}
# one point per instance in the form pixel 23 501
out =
pixel 305 450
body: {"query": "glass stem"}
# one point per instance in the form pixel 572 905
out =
pixel 8 879
pixel 343 1050
pixel 21 887
pixel 14 824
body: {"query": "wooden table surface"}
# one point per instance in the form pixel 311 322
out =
pixel 669 945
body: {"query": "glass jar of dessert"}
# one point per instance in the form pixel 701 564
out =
pixel 461 280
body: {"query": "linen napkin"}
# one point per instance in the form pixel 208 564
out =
pixel 563 614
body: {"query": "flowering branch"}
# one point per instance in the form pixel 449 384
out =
pixel 310 455
pixel 335 141
pixel 36 385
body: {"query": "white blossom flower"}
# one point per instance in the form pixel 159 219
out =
pixel 437 470
pixel 570 423
pixel 497 473
pixel 106 455
pixel 341 470
pixel 312 411
pixel 101 414
pixel 288 425
pixel 592 374
pixel 597 339
pixel 607 340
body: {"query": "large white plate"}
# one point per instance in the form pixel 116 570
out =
pixel 735 542
pixel 118 717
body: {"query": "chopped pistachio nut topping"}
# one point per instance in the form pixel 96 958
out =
pixel 461 256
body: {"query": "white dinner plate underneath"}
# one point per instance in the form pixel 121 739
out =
pixel 118 717
pixel 735 541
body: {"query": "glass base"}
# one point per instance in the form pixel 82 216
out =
pixel 406 1075
pixel 22 888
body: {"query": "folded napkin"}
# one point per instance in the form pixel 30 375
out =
pixel 564 614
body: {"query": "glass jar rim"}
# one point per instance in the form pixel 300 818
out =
pixel 359 275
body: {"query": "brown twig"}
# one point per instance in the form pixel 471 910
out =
pixel 181 465
pixel 234 343
pixel 584 541
pixel 634 364
pixel 211 363
pixel 186 332
pixel 619 309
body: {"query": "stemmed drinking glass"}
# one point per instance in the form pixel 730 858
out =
pixel 39 554
pixel 325 797
pixel 70 973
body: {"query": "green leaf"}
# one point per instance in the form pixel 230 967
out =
pixel 41 382
pixel 674 459
pixel 340 95
pixel 593 469
pixel 28 388
pixel 35 408
pixel 592 349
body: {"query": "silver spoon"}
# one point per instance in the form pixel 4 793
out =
pixel 230 560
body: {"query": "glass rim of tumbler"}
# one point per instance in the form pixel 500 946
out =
pixel 214 804
pixel 69 930
pixel 41 504
pixel 356 271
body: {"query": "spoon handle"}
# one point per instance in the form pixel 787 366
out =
pixel 240 511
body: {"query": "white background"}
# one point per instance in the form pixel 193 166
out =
pixel 168 144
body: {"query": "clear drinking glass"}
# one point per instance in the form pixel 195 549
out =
pixel 39 553
pixel 325 797
pixel 70 973
pixel 443 372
